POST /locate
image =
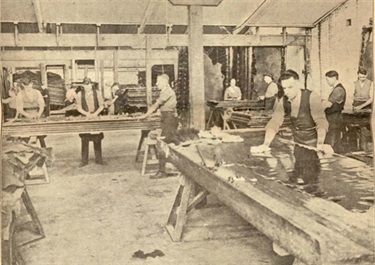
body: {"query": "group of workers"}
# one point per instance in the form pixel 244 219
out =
pixel 315 122
pixel 332 106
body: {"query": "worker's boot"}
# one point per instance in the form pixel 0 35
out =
pixel 162 173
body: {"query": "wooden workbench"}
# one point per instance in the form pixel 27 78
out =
pixel 220 107
pixel 314 230
pixel 73 125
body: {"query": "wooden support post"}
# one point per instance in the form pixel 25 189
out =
pixel 307 53
pixel 250 62
pixel 102 76
pixel 13 71
pixel 58 26
pixel 43 73
pixel 257 34
pixel 284 36
pixel 16 34
pixel 97 35
pixel 196 67
pixel 148 72
pixel 67 76
pixel 74 71
pixel 115 66
pixel 144 134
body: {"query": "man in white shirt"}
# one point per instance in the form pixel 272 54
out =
pixel 271 92
pixel 233 92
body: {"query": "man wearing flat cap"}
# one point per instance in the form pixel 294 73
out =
pixel 271 91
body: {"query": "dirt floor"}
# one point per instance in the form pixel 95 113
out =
pixel 104 214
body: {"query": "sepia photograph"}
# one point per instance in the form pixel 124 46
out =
pixel 187 132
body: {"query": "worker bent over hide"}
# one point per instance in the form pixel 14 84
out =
pixel 309 127
pixel 90 104
pixel 167 104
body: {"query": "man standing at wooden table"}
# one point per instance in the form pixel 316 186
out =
pixel 363 91
pixel 309 127
pixel 333 108
pixel 167 104
pixel 271 91
pixel 90 104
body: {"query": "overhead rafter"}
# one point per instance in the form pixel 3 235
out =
pixel 149 12
pixel 243 23
pixel 329 12
pixel 38 13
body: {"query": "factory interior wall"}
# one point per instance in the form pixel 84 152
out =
pixel 336 45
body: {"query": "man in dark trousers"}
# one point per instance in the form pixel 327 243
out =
pixel 90 104
pixel 309 127
pixel 167 104
pixel 333 108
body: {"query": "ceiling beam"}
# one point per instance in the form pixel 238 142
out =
pixel 149 12
pixel 329 12
pixel 38 13
pixel 243 23
pixel 158 41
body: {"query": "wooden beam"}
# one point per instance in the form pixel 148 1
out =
pixel 148 73
pixel 102 76
pixel 243 23
pixel 115 66
pixel 307 55
pixel 43 73
pixel 97 35
pixel 284 33
pixel 150 11
pixel 137 41
pixel 15 36
pixel 74 71
pixel 67 74
pixel 196 68
pixel 38 14
pixel 128 58
pixel 312 229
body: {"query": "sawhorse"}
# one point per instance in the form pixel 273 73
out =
pixel 144 135
pixel 187 198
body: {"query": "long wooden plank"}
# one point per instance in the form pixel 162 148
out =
pixel 314 230
pixel 78 125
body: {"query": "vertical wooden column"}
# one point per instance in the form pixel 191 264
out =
pixel 13 71
pixel 74 72
pixel 16 34
pixel 115 66
pixel 196 68
pixel 102 76
pixel 97 76
pixel 67 76
pixel 307 53
pixel 43 73
pixel 249 64
pixel 148 71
